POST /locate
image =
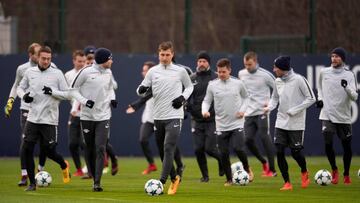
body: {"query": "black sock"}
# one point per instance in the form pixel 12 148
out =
pixel 347 155
pixel 283 166
pixel 330 155
pixel 299 158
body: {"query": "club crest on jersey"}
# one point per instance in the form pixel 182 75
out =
pixel 86 130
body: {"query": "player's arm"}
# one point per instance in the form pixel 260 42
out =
pixel 113 81
pixel 245 97
pixel 23 85
pixel 351 89
pixel 145 84
pixel 274 101
pixel 208 99
pixel 62 93
pixel 75 86
pixel 309 97
pixel 141 101
pixel 12 95
pixel 189 87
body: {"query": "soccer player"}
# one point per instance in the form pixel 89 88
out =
pixel 90 58
pixel 230 99
pixel 24 109
pixel 203 129
pixel 147 123
pixel 167 81
pixel 337 81
pixel 93 88
pixel 294 95
pixel 259 83
pixel 43 86
pixel 75 137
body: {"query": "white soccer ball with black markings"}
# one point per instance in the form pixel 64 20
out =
pixel 237 166
pixel 240 177
pixel 323 177
pixel 359 173
pixel 43 179
pixel 154 187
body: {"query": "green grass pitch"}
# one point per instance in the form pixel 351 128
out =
pixel 128 185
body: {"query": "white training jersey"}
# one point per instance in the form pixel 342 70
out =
pixel 294 95
pixel 336 99
pixel 259 85
pixel 230 97
pixel 45 108
pixel 94 83
pixel 167 83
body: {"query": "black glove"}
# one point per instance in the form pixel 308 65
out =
pixel 343 83
pixel 47 90
pixel 27 98
pixel 142 89
pixel 319 104
pixel 113 103
pixel 90 104
pixel 178 102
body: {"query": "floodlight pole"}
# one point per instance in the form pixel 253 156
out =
pixel 187 26
pixel 312 26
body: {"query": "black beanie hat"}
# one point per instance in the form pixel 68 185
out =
pixel 89 50
pixel 282 62
pixel 203 55
pixel 340 52
pixel 102 55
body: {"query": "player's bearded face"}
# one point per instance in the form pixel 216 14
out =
pixel 44 60
pixel 202 65
pixel 336 61
pixel 165 56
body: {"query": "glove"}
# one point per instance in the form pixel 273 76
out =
pixel 113 103
pixel 178 102
pixel 47 90
pixel 344 83
pixel 27 98
pixel 90 104
pixel 142 89
pixel 9 106
pixel 319 104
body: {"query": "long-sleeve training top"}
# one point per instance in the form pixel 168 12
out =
pixel 230 97
pixel 293 94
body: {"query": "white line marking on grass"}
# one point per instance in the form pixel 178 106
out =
pixel 107 199
pixel 39 194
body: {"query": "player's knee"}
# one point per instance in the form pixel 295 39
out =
pixel 100 150
pixel 73 146
pixel 144 142
pixel 249 141
pixel 240 151
pixel 295 152
pixel 27 147
pixel 169 148
pixel 280 149
pixel 199 150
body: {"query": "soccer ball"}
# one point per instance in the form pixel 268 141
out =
pixel 154 187
pixel 359 173
pixel 43 179
pixel 240 177
pixel 323 177
pixel 237 166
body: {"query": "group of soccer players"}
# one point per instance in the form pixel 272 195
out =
pixel 223 110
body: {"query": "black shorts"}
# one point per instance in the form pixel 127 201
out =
pixel 291 138
pixel 342 130
pixel 256 125
pixel 23 118
pixel 46 134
